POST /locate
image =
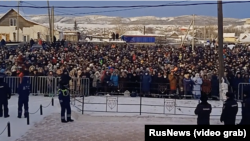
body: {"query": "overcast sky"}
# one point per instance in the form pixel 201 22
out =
pixel 229 10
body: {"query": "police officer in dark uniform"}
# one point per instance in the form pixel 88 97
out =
pixel 203 110
pixel 230 110
pixel 245 110
pixel 23 99
pixel 64 97
pixel 5 94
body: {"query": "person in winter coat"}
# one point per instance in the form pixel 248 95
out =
pixel 23 99
pixel 115 81
pixel 180 84
pixel 146 80
pixel 64 98
pixel 206 86
pixel 245 110
pixel 173 83
pixel 215 87
pixel 96 80
pixel 246 87
pixel 2 43
pixel 117 36
pixel 197 86
pixel 237 80
pixel 107 82
pixel 32 42
pixel 123 82
pixel 5 94
pixel 187 85
pixel 203 110
pixel 113 36
pixel 230 110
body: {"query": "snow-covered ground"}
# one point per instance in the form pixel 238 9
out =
pixel 157 107
pixel 19 126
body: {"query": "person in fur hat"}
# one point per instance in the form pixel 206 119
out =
pixel 230 110
pixel 203 110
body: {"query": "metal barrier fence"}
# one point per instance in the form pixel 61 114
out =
pixel 154 89
pixel 111 104
pixel 48 86
pixel 243 88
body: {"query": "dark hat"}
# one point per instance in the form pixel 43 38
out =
pixel 204 98
pixel 230 95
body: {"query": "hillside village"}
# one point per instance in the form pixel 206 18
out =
pixel 99 28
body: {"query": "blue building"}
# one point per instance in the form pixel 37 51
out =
pixel 137 37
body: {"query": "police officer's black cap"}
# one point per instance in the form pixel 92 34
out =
pixel 230 95
pixel 204 98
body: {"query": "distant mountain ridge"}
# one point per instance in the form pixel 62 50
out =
pixel 145 20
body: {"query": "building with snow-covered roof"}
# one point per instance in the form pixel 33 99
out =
pixel 247 22
pixel 27 28
pixel 244 38
pixel 229 37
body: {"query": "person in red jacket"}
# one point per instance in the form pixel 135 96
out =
pixel 40 42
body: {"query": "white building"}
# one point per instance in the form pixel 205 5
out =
pixel 244 38
pixel 27 28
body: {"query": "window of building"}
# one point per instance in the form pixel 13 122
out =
pixel 38 35
pixel 12 22
pixel 28 38
pixel 24 38
pixel 14 35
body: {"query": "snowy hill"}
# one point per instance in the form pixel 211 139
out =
pixel 145 20
pixel 104 24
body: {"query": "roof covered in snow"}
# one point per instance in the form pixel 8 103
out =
pixel 228 35
pixel 244 37
pixel 138 33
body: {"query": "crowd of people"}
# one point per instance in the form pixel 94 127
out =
pixel 141 69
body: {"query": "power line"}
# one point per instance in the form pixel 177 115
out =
pixel 42 15
pixel 118 10
pixel 67 14
pixel 133 6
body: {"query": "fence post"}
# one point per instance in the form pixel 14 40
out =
pixel 52 101
pixel 28 119
pixel 41 110
pixel 8 130
pixel 82 104
pixel 140 104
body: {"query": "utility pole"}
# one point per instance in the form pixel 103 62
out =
pixel 144 30
pixel 182 41
pixel 52 21
pixel 220 46
pixel 204 31
pixel 193 34
pixel 220 40
pixel 17 24
pixel 50 33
